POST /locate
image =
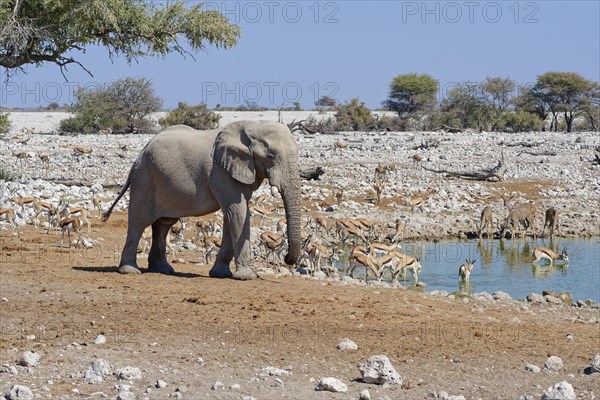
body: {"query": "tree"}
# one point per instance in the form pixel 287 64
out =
pixel 198 117
pixel 497 93
pixel 464 106
pixel 412 96
pixel 57 31
pixel 353 116
pixel 325 103
pixel 529 101
pixel 564 92
pixel 123 106
pixel 591 105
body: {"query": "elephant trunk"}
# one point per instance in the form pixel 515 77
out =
pixel 292 201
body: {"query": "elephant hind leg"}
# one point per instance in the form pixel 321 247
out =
pixel 157 259
pixel 128 264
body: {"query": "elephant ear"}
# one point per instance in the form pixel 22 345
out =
pixel 232 151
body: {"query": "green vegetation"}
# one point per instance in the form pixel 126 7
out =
pixel 198 117
pixel 58 31
pixel 4 123
pixel 353 116
pixel 123 106
pixel 413 97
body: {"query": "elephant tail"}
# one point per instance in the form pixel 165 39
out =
pixel 106 215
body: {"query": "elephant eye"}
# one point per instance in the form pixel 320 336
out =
pixel 270 156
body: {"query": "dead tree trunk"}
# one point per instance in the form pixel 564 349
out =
pixel 310 174
pixel 496 172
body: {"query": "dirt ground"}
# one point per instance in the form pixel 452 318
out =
pixel 162 324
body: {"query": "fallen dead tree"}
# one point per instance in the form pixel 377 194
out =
pixel 497 172
pixel 309 174
pixel 538 153
pixel 299 126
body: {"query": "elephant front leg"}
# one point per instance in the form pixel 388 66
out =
pixel 157 259
pixel 237 231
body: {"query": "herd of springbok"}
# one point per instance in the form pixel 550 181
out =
pixel 371 247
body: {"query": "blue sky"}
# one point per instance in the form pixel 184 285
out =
pixel 300 50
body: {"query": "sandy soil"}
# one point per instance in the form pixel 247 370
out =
pixel 161 324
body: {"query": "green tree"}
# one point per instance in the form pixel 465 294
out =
pixel 123 105
pixel 412 96
pixel 591 105
pixel 530 102
pixel 464 106
pixel 58 31
pixel 497 94
pixel 198 117
pixel 325 103
pixel 4 123
pixel 564 92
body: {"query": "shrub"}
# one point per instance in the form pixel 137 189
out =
pixel 323 126
pixel 4 123
pixel 6 176
pixel 353 116
pixel 198 117
pixel 123 106
pixel 521 121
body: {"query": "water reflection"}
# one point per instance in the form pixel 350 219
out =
pixel 503 265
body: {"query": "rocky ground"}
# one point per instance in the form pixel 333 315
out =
pixel 188 336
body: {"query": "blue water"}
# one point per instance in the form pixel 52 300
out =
pixel 503 266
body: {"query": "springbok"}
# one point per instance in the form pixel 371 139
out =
pixel 11 217
pixel 68 225
pixel 548 254
pixel 464 271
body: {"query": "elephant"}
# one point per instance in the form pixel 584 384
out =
pixel 185 172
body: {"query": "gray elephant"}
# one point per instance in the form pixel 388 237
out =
pixel 185 172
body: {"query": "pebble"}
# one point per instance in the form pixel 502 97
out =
pixel 129 373
pixel 596 363
pixel 560 391
pixel 532 368
pixel 330 384
pixel 553 363
pixel 19 392
pixel 364 395
pixel 379 370
pixel 217 386
pixel 100 339
pixel 29 359
pixel 96 373
pixel 272 371
pixel 501 296
pixel 347 344
pixel 8 369
pixel 160 384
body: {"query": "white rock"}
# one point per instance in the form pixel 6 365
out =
pixel 18 392
pixel 553 363
pixel 125 396
pixel 330 384
pixel 100 339
pixel 501 296
pixel 30 359
pixel 200 360
pixel 160 384
pixel 9 369
pixel 456 398
pixel 560 391
pixel 273 371
pixel 217 386
pixel 96 373
pixel 235 386
pixel 129 373
pixel 379 370
pixel 532 368
pixel 596 363
pixel 347 344
pixel 364 395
